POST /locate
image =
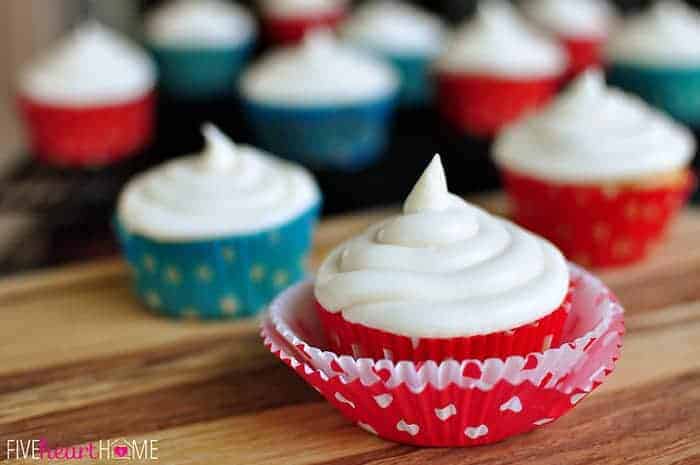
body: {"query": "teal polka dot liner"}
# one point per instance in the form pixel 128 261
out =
pixel 200 73
pixel 674 90
pixel 224 278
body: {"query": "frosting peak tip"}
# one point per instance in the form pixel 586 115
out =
pixel 430 192
pixel 220 149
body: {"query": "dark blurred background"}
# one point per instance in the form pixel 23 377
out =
pixel 50 216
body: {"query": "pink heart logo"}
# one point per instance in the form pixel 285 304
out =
pixel 121 451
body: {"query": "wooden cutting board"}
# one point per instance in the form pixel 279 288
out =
pixel 81 361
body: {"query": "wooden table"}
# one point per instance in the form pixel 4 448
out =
pixel 81 361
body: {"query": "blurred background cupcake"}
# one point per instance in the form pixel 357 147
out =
pixel 656 54
pixel 495 69
pixel 408 37
pixel 89 100
pixel 217 234
pixel 287 21
pixel 582 26
pixel 599 172
pixel 200 46
pixel 321 103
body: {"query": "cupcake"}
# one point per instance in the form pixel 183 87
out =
pixel 217 235
pixel 495 69
pixel 88 101
pixel 444 280
pixel 582 26
pixel 200 46
pixel 406 36
pixel 287 21
pixel 321 103
pixel 599 172
pixel 656 54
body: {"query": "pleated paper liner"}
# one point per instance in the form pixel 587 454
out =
pixel 481 105
pixel 454 403
pixel 598 225
pixel 360 341
pixel 88 136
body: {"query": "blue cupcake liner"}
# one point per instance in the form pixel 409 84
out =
pixel 339 137
pixel 417 86
pixel 675 90
pixel 194 73
pixel 225 278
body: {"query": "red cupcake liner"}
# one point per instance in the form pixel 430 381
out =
pixel 583 54
pixel 291 30
pixel 87 136
pixel 599 226
pixel 360 341
pixel 481 105
pixel 466 403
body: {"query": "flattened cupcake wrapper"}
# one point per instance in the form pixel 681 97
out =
pixel 674 90
pixel 454 403
pixel 599 226
pixel 225 278
pixel 200 73
pixel 583 54
pixel 360 341
pixel 338 137
pixel 286 31
pixel 482 105
pixel 84 136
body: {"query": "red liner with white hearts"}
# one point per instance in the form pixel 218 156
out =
pixel 289 30
pixel 359 341
pixel 85 136
pixel 454 403
pixel 599 226
pixel 481 105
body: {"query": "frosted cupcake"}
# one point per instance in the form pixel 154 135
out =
pixel 444 280
pixel 321 103
pixel 200 46
pixel 89 100
pixel 599 172
pixel 656 55
pixel 582 26
pixel 218 234
pixel 495 69
pixel 287 21
pixel 406 36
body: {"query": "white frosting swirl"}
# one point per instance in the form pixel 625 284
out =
pixel 225 190
pixel 301 8
pixel 573 18
pixel 319 71
pixel 594 133
pixel 443 269
pixel 497 40
pixel 396 27
pixel 92 66
pixel 667 35
pixel 200 23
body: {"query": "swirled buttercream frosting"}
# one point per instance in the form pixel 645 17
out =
pixel 93 65
pixel 302 8
pixel 443 268
pixel 594 133
pixel 319 71
pixel 225 190
pixel 573 18
pixel 498 40
pixel 668 34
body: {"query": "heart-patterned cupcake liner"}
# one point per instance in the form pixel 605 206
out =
pixel 454 403
pixel 360 341
pixel 597 225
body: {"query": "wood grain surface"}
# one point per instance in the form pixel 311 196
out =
pixel 80 360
